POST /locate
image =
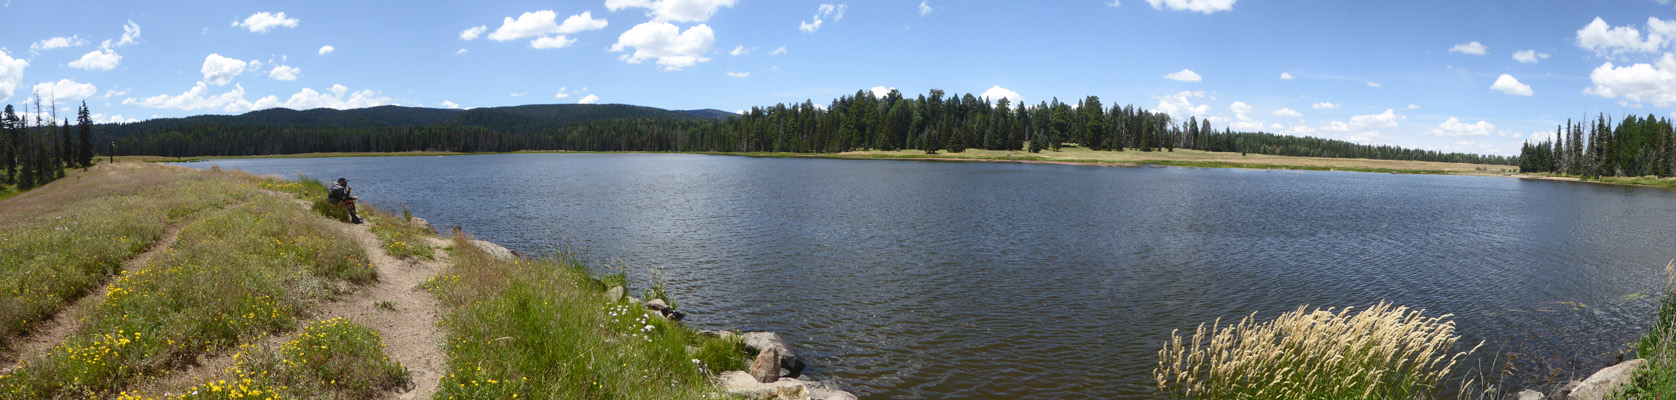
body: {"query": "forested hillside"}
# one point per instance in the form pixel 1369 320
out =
pixel 1637 146
pixel 932 122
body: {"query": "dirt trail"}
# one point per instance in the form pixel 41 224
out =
pixel 411 332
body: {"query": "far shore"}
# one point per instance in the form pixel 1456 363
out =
pixel 1079 156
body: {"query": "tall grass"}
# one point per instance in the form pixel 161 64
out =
pixel 232 276
pixel 60 241
pixel 541 329
pixel 1657 377
pixel 1382 352
pixel 398 235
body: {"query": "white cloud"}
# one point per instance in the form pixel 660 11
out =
pixel 57 43
pixel 738 74
pixel 65 90
pixel 1287 112
pixel 1510 85
pixel 924 7
pixel 663 41
pixel 997 92
pixel 1374 84
pixel 1413 106
pixel 563 93
pixel 220 70
pixel 1285 76
pixel 449 104
pixel 1185 75
pixel 1609 41
pixel 113 93
pixel 11 73
pixel 1180 105
pixel 519 94
pixel 462 50
pixel 880 91
pixel 739 50
pixel 589 99
pixel 327 49
pixel 1528 56
pixel 1387 119
pixel 551 42
pixel 673 10
pixel 1655 83
pixel 1239 107
pixel 1324 105
pixel 199 97
pixel 836 12
pixel 473 32
pixel 779 51
pixel 284 73
pixel 130 32
pixel 264 21
pixel 1454 127
pixel 114 119
pixel 1203 6
pixel 98 60
pixel 1473 48
pixel 1114 3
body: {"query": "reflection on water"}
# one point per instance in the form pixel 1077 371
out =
pixel 920 279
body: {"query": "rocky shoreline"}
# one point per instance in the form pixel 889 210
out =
pixel 1598 386
pixel 777 372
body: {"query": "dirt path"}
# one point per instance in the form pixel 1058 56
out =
pixel 411 332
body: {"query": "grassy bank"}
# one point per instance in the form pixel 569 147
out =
pixel 1180 157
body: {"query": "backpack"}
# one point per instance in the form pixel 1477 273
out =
pixel 337 193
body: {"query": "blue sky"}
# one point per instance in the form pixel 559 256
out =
pixel 1474 76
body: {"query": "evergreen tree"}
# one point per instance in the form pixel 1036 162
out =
pixel 10 126
pixel 84 122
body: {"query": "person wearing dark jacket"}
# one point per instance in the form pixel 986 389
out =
pixel 342 194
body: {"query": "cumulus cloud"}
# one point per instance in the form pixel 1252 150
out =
pixel 1473 48
pixel 199 97
pixel 1287 112
pixel 1324 105
pixel 1239 107
pixel 462 50
pixel 924 7
pixel 1529 56
pixel 65 90
pixel 11 73
pixel 563 93
pixel 449 104
pixel 327 49
pixel 544 27
pixel 836 12
pixel 113 119
pixel 666 43
pixel 284 73
pixel 1202 6
pixel 1285 76
pixel 1610 41
pixel 1653 83
pixel 1454 127
pixel 1184 75
pixel 673 10
pixel 220 70
pixel 1413 106
pixel 1374 84
pixel 589 99
pixel 57 43
pixel 551 42
pixel 880 91
pixel 1510 85
pixel 473 32
pixel 98 60
pixel 1180 105
pixel 1387 119
pixel 997 92
pixel 738 74
pixel 264 21
pixel 779 51
pixel 130 35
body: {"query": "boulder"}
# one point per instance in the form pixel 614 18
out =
pixel 615 294
pixel 766 368
pixel 494 250
pixel 1528 394
pixel 770 340
pixel 422 223
pixel 657 304
pixel 1564 391
pixel 1606 381
pixel 673 315
pixel 740 383
pixel 719 334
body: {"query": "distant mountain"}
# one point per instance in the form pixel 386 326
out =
pixel 515 119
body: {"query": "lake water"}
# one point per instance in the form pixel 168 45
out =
pixel 907 279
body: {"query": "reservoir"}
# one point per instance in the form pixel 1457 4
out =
pixel 910 279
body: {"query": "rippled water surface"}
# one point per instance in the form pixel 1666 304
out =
pixel 911 279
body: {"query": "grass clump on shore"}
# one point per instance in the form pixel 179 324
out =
pixel 62 240
pixel 1382 352
pixel 542 329
pixel 232 277
pixel 1657 377
pixel 399 235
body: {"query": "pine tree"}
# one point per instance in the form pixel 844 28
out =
pixel 84 121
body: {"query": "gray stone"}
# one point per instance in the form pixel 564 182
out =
pixel 657 304
pixel 615 294
pixel 766 368
pixel 1564 391
pixel 740 383
pixel 820 390
pixel 676 316
pixel 1528 394
pixel 494 250
pixel 766 340
pixel 1606 381
pixel 422 223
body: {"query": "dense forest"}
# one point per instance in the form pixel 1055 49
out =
pixel 35 151
pixel 931 122
pixel 1635 147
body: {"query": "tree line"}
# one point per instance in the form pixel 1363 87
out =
pixel 1636 146
pixel 931 122
pixel 35 148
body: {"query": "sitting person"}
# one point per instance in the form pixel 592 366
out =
pixel 341 194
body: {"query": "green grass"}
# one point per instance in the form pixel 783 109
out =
pixel 398 235
pixel 232 277
pixel 542 329
pixel 1657 377
pixel 62 240
pixel 957 157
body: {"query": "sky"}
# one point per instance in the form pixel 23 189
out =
pixel 1468 76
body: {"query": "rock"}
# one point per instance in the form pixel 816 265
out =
pixel 422 223
pixel 724 335
pixel 1564 391
pixel 615 294
pixel 766 368
pixel 657 304
pixel 494 250
pixel 1606 381
pixel 740 383
pixel 1528 394
pixel 769 340
pixel 827 391
pixel 673 315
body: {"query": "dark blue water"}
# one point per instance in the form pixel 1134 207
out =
pixel 979 280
